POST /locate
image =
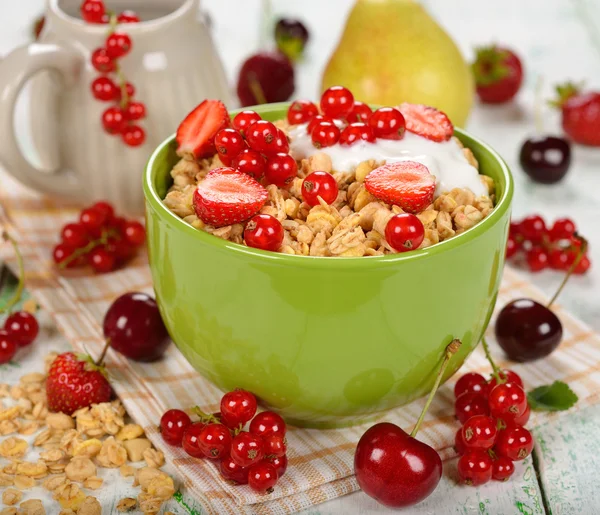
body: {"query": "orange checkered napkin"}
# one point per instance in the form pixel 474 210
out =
pixel 320 461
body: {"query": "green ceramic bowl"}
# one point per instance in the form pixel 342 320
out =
pixel 324 341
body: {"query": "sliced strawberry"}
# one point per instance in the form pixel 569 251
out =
pixel 227 196
pixel 427 121
pixel 196 134
pixel 407 184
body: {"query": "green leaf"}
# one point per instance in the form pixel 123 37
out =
pixel 554 397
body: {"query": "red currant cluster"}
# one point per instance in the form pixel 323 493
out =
pixel 556 247
pixel 100 238
pixel 256 457
pixel 358 122
pixel 20 329
pixel 118 119
pixel 492 437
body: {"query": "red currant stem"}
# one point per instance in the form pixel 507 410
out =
pixel 103 240
pixel 582 251
pixel 452 348
pixel 100 359
pixel 537 113
pixel 256 89
pixel 112 24
pixel 500 379
pixel 205 417
pixel 19 291
pixel 122 86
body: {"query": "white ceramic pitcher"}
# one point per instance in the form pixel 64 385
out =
pixel 173 66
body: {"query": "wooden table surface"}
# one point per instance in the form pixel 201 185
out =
pixel 558 40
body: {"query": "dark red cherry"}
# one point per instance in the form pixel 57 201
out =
pixel 546 159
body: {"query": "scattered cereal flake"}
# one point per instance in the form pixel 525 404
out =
pixel 154 458
pixel 33 377
pixel 127 470
pixel 5 479
pixel 32 507
pixel 60 421
pixel 80 468
pixel 30 306
pixel 149 504
pixel 40 411
pixel 13 447
pixel 70 440
pixel 52 455
pixel 10 413
pixel 24 482
pixel 59 466
pixel 11 496
pixel 29 428
pixel 112 454
pixel 11 468
pixel 16 392
pixel 53 482
pixel 42 438
pixel 35 470
pixel 93 482
pixel 9 511
pixel 161 487
pixel 90 506
pixel 89 448
pixel 129 432
pixel 144 475
pixel 127 504
pixel 136 447
pixel 8 426
pixel 69 496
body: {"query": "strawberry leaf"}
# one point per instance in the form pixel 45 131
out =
pixel 554 397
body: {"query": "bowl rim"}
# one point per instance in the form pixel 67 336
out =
pixel 154 200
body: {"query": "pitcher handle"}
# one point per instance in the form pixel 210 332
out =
pixel 15 70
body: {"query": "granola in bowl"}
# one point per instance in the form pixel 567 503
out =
pixel 314 185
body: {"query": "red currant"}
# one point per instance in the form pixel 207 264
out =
pixel 459 443
pixel 231 471
pixel 243 120
pixel 583 266
pixel 133 136
pixel 62 252
pixel 316 120
pixel 214 441
pixel 502 468
pixel 129 91
pixel 114 120
pixel 92 219
pixel 319 184
pixel 512 247
pixel 562 229
pixel 475 468
pixel 508 376
pixel 190 441
pixel 173 424
pixel 267 423
pixel 514 442
pixel 560 259
pixel 533 228
pixel 479 432
pixel 101 260
pixel 280 463
pixel 101 61
pixel 135 111
pixel 262 477
pixel 134 233
pixel 524 418
pixel 247 449
pixel 325 134
pixel 274 445
pixel 128 17
pixel 281 144
pixel 237 407
pixel 360 113
pixel 251 162
pixel 104 89
pixel 301 111
pixel 281 170
pixel 537 259
pixel 515 229
pixel 355 132
pixel 264 232
pixel 75 235
pixel 337 102
pixel 93 11
pixel 120 249
pixel 106 208
pixel 8 347
pixel 404 232
pixel 470 382
pixel 23 327
pixel 470 404
pixel 387 123
pixel 262 136
pixel 229 144
pixel 507 401
pixel 117 45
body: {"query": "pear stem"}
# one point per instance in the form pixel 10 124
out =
pixel 16 297
pixel 100 359
pixel 450 351
pixel 581 253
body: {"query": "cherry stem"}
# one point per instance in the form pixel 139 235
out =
pixel 452 349
pixel 103 240
pixel 256 89
pixel 205 417
pixel 498 375
pixel 19 291
pixel 537 113
pixel 100 359
pixel 582 251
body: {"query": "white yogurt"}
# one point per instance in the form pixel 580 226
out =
pixel 444 160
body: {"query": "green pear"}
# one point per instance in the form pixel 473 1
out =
pixel 392 51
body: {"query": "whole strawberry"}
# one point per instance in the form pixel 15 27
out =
pixel 498 74
pixel 75 381
pixel 580 114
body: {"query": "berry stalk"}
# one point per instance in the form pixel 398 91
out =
pixel 83 251
pixel 19 291
pixel 580 254
pixel 500 379
pixel 450 351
